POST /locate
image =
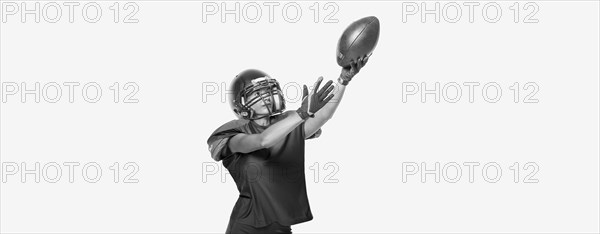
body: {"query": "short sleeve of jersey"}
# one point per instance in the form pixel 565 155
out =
pixel 219 139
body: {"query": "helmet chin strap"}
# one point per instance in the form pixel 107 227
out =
pixel 258 117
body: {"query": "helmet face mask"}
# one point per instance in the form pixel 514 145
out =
pixel 265 91
pixel 252 92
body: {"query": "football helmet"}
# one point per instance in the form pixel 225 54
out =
pixel 252 86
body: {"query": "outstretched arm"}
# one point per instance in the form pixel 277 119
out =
pixel 312 125
pixel 245 143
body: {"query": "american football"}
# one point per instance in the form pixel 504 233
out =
pixel 359 39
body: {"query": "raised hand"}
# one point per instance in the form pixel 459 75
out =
pixel 349 72
pixel 313 102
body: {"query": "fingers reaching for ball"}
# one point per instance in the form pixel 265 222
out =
pixel 365 59
pixel 362 62
pixel 359 63
pixel 313 102
pixel 355 66
pixel 317 84
pixel 326 90
pixel 320 96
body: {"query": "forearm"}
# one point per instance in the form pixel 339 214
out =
pixel 279 130
pixel 329 109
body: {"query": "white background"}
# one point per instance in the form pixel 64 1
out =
pixel 170 53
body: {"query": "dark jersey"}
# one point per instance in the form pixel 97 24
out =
pixel 271 181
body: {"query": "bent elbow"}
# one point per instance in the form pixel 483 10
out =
pixel 217 159
pixel 263 142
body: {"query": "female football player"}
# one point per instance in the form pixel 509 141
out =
pixel 264 148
